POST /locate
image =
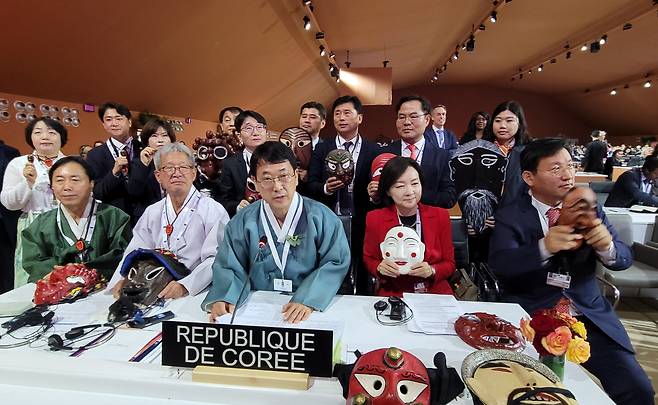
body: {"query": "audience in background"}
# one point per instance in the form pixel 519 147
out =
pixel 596 153
pixel 312 118
pixel 636 186
pixel 476 126
pixel 437 134
pixel 611 162
pixel 8 220
pixel 227 119
pixel 84 150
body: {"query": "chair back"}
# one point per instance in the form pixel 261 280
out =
pixel 623 224
pixel 602 189
pixel 460 243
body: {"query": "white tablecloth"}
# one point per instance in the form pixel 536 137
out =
pixel 642 222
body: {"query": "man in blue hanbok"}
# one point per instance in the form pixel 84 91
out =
pixel 283 242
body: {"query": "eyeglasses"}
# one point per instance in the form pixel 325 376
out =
pixel 248 130
pixel 557 170
pixel 268 182
pixel 183 169
pixel 412 117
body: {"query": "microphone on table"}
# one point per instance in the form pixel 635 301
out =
pixel 31 317
pixel 261 245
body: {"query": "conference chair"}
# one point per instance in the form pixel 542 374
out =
pixel 602 190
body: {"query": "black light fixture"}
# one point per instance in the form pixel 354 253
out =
pixel 521 76
pixel 319 35
pixel 647 84
pixel 470 44
pixel 494 17
pixel 626 86
pixel 385 63
pixel 540 68
pixel 568 55
pixel 594 47
pixel 332 55
pixel 584 48
pixel 482 27
pixel 627 26
pixel 553 60
pixel 613 92
pixel 603 40
pixel 455 56
pixel 307 23
pixel 306 2
pixel 322 50
pixel 347 60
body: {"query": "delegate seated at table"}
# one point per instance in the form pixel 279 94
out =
pixel 401 187
pixel 284 242
pixel 528 255
pixel 636 186
pixel 185 222
pixel 80 230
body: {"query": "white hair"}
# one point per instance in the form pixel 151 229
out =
pixel 170 148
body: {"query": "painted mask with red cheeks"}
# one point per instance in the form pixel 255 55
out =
pixel 389 377
pixel 403 246
pixel 300 142
pixel 250 192
pixel 378 165
pixel 340 164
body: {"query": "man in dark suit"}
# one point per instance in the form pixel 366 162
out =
pixel 413 116
pixel 636 186
pixel 437 134
pixel 530 255
pixel 111 160
pixel 8 221
pixel 252 128
pixel 595 154
pixel 346 199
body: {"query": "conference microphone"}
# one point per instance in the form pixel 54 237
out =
pixel 28 318
pixel 261 245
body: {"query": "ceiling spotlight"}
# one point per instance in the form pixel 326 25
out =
pixel 338 79
pixel 482 27
pixel 332 68
pixel 521 76
pixel 647 84
pixel 332 54
pixel 322 50
pixel 494 17
pixel 568 54
pixel 566 47
pixel 435 77
pixel 386 62
pixel 348 64
pixel 584 48
pixel 553 60
pixel 306 2
pixel 627 26
pixel 613 92
pixel 307 23
pixel 470 44
pixel 512 79
pixel 594 47
pixel 319 35
pixel 530 71
pixel 540 68
pixel 455 56
pixel 603 40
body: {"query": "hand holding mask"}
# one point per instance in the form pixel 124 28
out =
pixel 403 246
pixel 340 164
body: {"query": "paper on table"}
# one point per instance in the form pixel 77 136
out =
pixel 123 345
pixel 434 314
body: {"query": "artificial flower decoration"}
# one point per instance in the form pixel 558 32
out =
pixel 556 333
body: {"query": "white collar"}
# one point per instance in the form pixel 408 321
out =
pixel 315 140
pixel 118 143
pixel 419 145
pixel 355 140
pixel 77 228
pixel 284 230
pixel 170 205
pixel 541 207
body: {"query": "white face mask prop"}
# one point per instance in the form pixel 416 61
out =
pixel 402 245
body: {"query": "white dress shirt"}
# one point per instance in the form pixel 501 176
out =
pixel 420 147
pixel 17 194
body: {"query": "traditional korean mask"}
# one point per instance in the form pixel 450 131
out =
pixel 511 376
pixel 301 144
pixel 477 205
pixel 340 164
pixel 579 210
pixel 378 165
pixel 68 282
pixel 211 151
pixel 486 331
pixel 402 245
pixel 393 376
pixel 250 192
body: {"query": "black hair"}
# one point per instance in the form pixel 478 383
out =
pixel 111 105
pixel 71 159
pixel 318 106
pixel 469 135
pixel 424 103
pixel 233 109
pixel 50 123
pixel 239 120
pixel 151 127
pixel 347 99
pixel 391 173
pixel 271 152
pixel 538 150
pixel 521 137
pixel 650 164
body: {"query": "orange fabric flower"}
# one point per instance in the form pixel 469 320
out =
pixel 527 330
pixel 556 342
pixel 578 350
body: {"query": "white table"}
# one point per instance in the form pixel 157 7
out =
pixel 103 375
pixel 642 222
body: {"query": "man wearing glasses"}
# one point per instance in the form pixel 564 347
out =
pixel 413 116
pixel 185 222
pixel 283 242
pixel 252 128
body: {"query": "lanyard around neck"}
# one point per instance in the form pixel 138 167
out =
pixel 86 237
pixel 418 222
pixel 288 229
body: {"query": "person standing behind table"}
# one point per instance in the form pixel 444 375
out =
pixel 142 185
pixel 26 186
pixel 437 134
pixel 8 220
pixel 312 118
pixel 252 128
pixel 611 162
pixel 401 187
pixel 526 250
pixel 111 161
pixel 636 186
pixel 508 131
pixel 596 152
pixel 476 127
pixel 346 199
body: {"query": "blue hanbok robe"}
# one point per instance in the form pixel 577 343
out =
pixel 316 266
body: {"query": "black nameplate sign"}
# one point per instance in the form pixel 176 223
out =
pixel 189 344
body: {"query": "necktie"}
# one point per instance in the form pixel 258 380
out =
pixel 440 137
pixel 413 153
pixel 344 196
pixel 553 214
pixel 562 306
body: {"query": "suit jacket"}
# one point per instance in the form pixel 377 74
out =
pixel 627 191
pixel 233 182
pixel 8 218
pixel 142 187
pixel 594 155
pixel 449 141
pixel 514 186
pixel 438 188
pixel 107 187
pixel 514 257
pixel 439 251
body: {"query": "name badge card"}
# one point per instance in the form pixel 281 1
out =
pixel 282 285
pixel 189 344
pixel 558 280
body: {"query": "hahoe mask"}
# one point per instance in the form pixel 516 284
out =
pixel 403 246
pixel 250 192
pixel 393 376
pixel 301 144
pixel 340 164
pixel 579 210
pixel 378 165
